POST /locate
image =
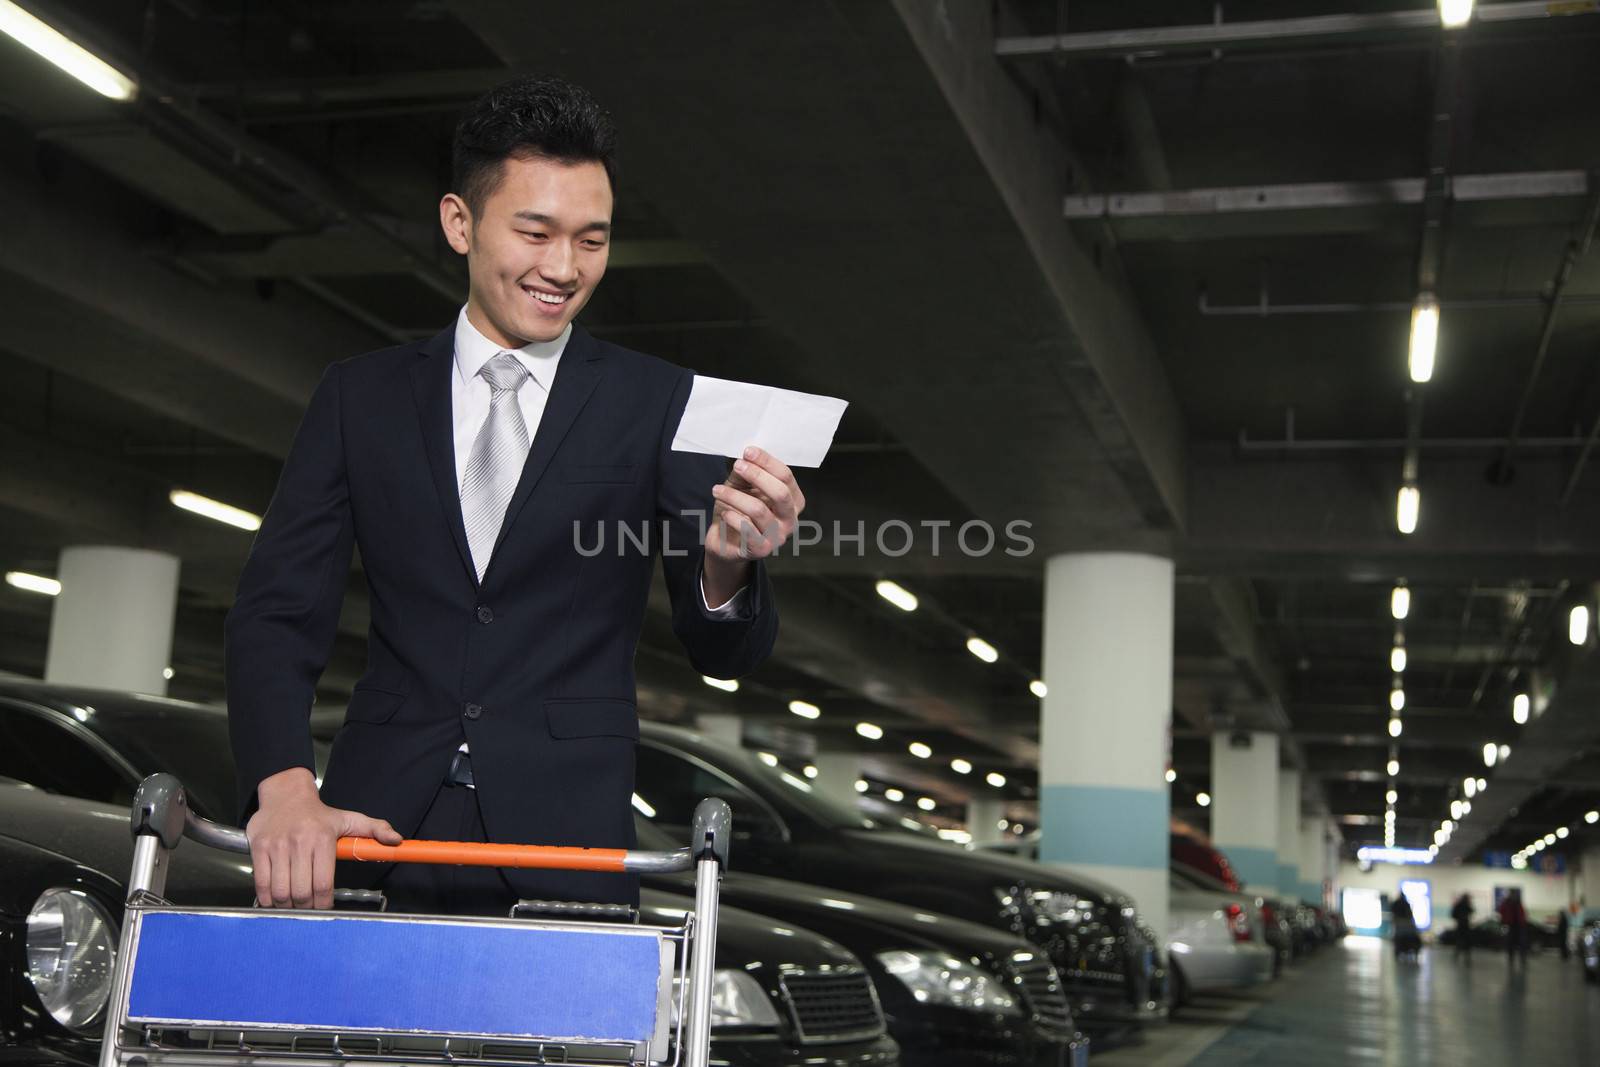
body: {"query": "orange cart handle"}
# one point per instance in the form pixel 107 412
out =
pixel 476 854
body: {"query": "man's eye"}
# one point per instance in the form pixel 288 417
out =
pixel 594 244
pixel 532 233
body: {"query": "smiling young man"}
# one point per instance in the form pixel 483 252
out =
pixel 499 701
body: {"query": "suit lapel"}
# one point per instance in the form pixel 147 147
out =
pixel 431 388
pixel 581 367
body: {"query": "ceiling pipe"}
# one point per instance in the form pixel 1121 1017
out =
pixel 1264 308
pixel 1577 246
pixel 1267 33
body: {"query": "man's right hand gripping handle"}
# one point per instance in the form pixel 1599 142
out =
pixel 292 840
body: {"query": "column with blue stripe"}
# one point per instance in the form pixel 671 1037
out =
pixel 1289 882
pixel 1104 721
pixel 1244 804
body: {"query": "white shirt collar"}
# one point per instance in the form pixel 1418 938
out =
pixel 473 350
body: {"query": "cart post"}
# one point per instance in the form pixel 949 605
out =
pixel 709 845
pixel 158 813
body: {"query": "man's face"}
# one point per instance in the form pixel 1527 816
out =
pixel 537 250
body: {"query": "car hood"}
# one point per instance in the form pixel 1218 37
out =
pixel 99 836
pixel 866 923
pixel 983 867
pixel 743 936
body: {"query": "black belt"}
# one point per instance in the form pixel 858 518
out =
pixel 460 772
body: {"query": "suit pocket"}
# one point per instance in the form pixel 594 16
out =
pixel 368 704
pixel 600 473
pixel 575 717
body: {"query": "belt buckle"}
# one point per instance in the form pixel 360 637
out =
pixel 461 770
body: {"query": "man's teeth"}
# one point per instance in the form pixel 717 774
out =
pixel 546 297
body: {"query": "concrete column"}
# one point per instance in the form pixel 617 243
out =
pixel 836 776
pixel 1288 845
pixel 1589 881
pixel 111 625
pixel 1313 851
pixel 983 819
pixel 1104 807
pixel 720 726
pixel 1244 804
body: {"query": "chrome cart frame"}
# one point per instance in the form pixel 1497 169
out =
pixel 316 988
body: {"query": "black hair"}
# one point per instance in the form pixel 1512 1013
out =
pixel 528 118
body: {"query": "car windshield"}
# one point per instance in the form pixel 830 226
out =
pixel 794 790
pixel 185 740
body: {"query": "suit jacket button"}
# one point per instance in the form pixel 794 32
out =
pixel 474 711
pixel 485 616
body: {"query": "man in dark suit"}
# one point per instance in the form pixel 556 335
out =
pixel 475 471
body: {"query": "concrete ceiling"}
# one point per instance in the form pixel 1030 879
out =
pixel 865 199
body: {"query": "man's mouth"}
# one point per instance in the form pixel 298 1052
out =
pixel 548 302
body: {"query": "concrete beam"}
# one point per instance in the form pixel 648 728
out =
pixel 1332 517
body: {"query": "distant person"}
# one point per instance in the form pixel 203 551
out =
pixel 1462 914
pixel 1407 942
pixel 1515 919
pixel 1563 928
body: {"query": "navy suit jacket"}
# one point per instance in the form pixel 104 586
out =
pixel 534 665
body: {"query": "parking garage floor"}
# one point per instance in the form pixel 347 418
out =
pixel 1353 1004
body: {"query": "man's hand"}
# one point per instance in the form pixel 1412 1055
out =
pixel 754 514
pixel 293 837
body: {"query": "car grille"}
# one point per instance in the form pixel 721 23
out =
pixel 1041 989
pixel 832 1006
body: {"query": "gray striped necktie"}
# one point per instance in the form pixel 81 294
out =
pixel 495 463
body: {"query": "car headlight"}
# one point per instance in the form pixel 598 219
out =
pixel 938 978
pixel 71 952
pixel 737 999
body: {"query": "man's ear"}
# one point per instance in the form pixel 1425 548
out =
pixel 455 218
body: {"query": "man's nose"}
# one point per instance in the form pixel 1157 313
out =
pixel 560 267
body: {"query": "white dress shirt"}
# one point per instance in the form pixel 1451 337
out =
pixel 469 405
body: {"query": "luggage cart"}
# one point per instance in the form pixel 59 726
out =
pixel 275 987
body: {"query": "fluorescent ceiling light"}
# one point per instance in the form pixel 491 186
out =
pixel 643 808
pixel 1172 775
pixel 1394 767
pixel 1400 602
pixel 1424 337
pixel 861 785
pixel 1391 796
pixel 1397 660
pixel 1469 786
pixel 1397 699
pixel 48 42
pixel 982 649
pixel 33 583
pixel 1519 708
pixel 1562 832
pixel 1203 799
pixel 960 766
pixel 1578 624
pixel 810 770
pixel 1454 13
pixel 896 595
pixel 804 709
pixel 996 779
pixel 1591 817
pixel 919 750
pixel 1407 507
pixel 1491 752
pixel 727 685
pixel 215 510
pixel 1038 688
pixel 893 794
pixel 768 758
pixel 1395 727
pixel 926 803
pixel 871 731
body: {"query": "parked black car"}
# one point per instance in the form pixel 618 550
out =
pixel 64 863
pixel 1109 962
pixel 1491 934
pixel 956 994
pixel 1589 949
